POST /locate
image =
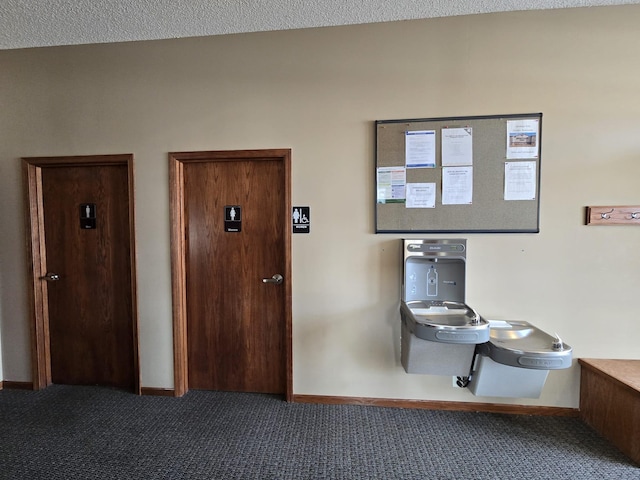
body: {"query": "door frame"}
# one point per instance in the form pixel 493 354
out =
pixel 177 160
pixel 37 260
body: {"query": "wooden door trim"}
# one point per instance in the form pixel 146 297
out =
pixel 177 160
pixel 37 261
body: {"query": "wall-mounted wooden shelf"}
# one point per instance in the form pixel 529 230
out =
pixel 614 215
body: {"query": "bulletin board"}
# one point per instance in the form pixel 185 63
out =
pixel 458 174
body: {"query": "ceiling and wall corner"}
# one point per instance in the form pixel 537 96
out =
pixel 42 23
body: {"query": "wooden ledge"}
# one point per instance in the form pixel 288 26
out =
pixel 625 372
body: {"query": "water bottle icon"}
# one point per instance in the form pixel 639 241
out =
pixel 432 282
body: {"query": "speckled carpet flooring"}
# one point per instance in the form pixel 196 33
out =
pixel 84 433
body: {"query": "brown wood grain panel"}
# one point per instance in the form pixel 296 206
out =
pixel 233 316
pixel 158 392
pixel 90 307
pixel 36 264
pixel 133 275
pixel 614 215
pixel 610 405
pixel 178 288
pixel 243 361
pixel 440 405
pixel 9 385
pixel 34 168
pixel 285 158
pixel 625 373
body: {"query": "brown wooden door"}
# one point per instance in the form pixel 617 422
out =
pixel 237 330
pixel 91 328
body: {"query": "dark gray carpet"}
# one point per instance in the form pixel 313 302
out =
pixel 96 433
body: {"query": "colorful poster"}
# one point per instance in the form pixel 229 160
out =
pixel 391 184
pixel 522 138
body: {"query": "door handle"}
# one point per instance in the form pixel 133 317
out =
pixel 277 279
pixel 51 277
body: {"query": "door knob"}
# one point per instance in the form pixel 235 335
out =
pixel 51 277
pixel 277 279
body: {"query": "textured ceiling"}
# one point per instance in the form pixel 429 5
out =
pixel 38 23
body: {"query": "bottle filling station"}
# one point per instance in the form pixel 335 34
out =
pixel 442 335
pixel 439 331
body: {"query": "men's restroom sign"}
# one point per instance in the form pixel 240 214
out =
pixel 88 216
pixel 232 218
pixel 301 219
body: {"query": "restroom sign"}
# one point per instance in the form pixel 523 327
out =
pixel 301 219
pixel 232 218
pixel 88 216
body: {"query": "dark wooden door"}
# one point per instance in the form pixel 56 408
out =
pixel 236 323
pixel 91 328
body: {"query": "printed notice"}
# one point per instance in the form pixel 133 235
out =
pixel 457 185
pixel 522 138
pixel 421 195
pixel 420 149
pixel 520 180
pixel 391 184
pixel 457 146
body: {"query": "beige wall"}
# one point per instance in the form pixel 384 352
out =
pixel 318 92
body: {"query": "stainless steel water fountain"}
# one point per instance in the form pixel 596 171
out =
pixel 516 360
pixel 439 330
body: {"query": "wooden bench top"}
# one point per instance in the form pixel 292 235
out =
pixel 624 371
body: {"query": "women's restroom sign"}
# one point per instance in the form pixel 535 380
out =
pixel 301 219
pixel 232 218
